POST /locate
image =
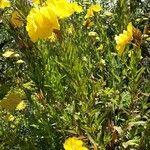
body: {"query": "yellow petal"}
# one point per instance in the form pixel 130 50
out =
pixel 41 22
pixel 96 8
pixel 21 106
pixel 76 8
pixel 73 143
pixel 11 100
pixel 4 3
pixel 63 8
pixel 16 19
pixel 10 117
pixel 124 38
pixel 36 2
pixel 130 29
pixel 8 53
pixel 92 9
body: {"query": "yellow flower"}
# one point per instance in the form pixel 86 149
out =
pixel 11 101
pixel 88 23
pixel 74 143
pixel 16 19
pixel 4 3
pixel 20 61
pixel 41 22
pixel 124 38
pixel 92 9
pixel 63 8
pixel 10 117
pixel 36 2
pixel 9 53
pixel 76 7
pixel 21 106
pixel 92 34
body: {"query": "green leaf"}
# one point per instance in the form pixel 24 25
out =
pixel 139 73
pixel 136 123
pixel 133 142
pixel 125 99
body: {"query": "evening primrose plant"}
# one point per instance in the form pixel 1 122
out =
pixel 78 76
pixel 42 21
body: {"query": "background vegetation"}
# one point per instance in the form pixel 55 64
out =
pixel 76 84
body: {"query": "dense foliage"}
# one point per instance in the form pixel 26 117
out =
pixel 74 74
